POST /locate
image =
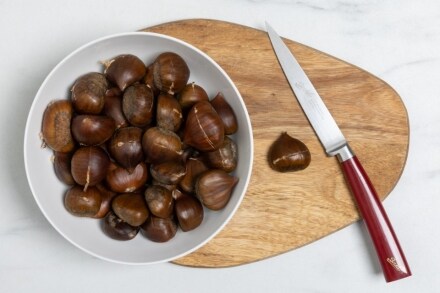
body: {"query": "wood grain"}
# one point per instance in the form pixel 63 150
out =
pixel 284 211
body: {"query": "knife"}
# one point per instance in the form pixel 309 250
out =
pixel 389 252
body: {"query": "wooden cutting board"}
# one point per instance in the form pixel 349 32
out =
pixel 284 211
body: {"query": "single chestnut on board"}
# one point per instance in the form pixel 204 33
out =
pixel 288 154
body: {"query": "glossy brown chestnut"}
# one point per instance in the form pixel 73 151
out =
pixel 117 229
pixel 189 212
pixel 92 129
pixel 204 129
pixel 126 147
pixel 226 113
pixel 190 95
pixel 225 157
pixel 159 200
pixel 113 92
pixel 123 181
pixel 170 73
pixel 56 126
pixel 62 166
pixel 89 165
pixel 168 112
pixel 137 105
pixel 214 188
pixel 113 109
pixel 88 93
pixel 124 70
pixel 161 145
pixel 170 172
pixel 106 199
pixel 82 203
pixel 159 229
pixel 131 208
pixel 194 167
pixel 288 154
pixel 170 187
pixel 149 80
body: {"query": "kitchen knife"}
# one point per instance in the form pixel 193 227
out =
pixel 391 257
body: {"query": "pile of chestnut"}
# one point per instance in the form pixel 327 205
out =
pixel 142 148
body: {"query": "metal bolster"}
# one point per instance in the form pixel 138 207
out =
pixel 343 152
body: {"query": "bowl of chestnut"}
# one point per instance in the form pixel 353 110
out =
pixel 138 148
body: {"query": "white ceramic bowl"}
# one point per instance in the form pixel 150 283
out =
pixel 48 192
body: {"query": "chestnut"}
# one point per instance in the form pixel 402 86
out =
pixel 56 126
pixel 159 229
pixel 225 157
pixel 168 113
pixel 170 172
pixel 170 187
pixel 204 129
pixel 131 208
pixel 288 154
pixel 226 113
pixel 194 167
pixel 62 166
pixel 106 199
pixel 92 129
pixel 124 70
pixel 122 181
pixel 137 105
pixel 190 95
pixel 113 92
pixel 170 73
pixel 82 203
pixel 189 212
pixel 161 145
pixel 149 80
pixel 88 93
pixel 117 229
pixel 113 109
pixel 126 147
pixel 214 188
pixel 159 200
pixel 89 165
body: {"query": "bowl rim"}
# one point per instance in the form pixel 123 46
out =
pixel 181 42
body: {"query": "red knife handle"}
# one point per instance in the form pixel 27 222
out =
pixel 387 247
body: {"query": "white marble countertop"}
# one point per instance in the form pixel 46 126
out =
pixel 399 41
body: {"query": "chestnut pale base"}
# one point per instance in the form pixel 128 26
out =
pixel 284 211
